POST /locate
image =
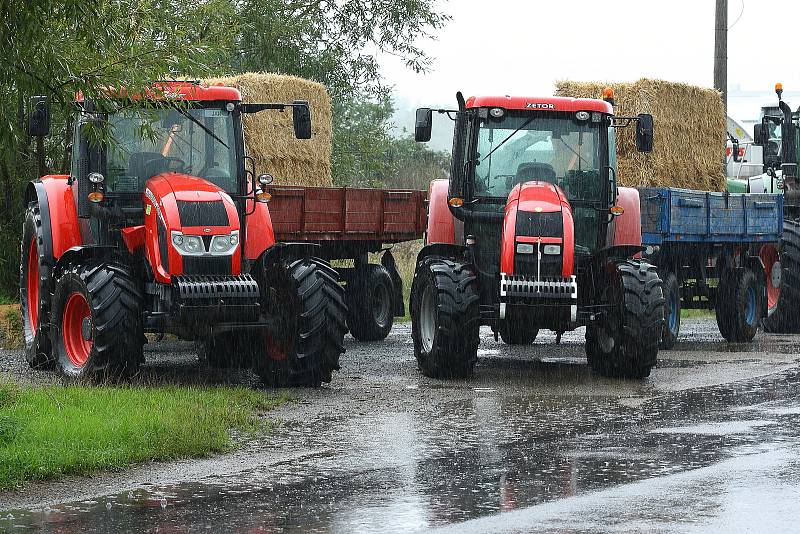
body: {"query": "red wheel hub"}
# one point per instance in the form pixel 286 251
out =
pixel 772 270
pixel 74 325
pixel 33 285
pixel 275 350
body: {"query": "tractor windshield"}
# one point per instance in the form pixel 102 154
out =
pixel 550 147
pixel 196 141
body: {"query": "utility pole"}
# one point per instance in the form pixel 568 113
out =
pixel 721 51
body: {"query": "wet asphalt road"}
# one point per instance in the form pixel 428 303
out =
pixel 534 442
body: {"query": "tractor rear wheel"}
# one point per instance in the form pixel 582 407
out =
pixel 369 303
pixel 36 284
pixel 97 325
pixel 783 282
pixel 738 304
pixel 514 331
pixel 624 342
pixel 672 311
pixel 306 301
pixel 445 319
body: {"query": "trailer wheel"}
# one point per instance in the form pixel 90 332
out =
pixel 516 332
pixel 35 283
pixel 783 282
pixel 672 312
pixel 305 299
pixel 624 342
pixel 445 320
pixel 370 303
pixel 738 304
pixel 97 328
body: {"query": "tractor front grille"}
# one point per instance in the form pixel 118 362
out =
pixel 202 213
pixel 543 288
pixel 209 288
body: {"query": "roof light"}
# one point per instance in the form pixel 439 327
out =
pixel 779 89
pixel 617 210
pixel 582 115
pixel 95 196
pixel 263 196
pixel 497 112
pixel 608 95
pixel 456 202
pixel 96 177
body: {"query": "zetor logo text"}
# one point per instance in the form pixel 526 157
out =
pixel 536 105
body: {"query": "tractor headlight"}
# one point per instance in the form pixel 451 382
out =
pixel 224 244
pixel 552 250
pixel 188 245
pixel 524 248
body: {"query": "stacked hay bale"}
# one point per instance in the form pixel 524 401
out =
pixel 269 135
pixel 689 132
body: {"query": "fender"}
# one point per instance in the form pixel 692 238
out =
pixel 441 228
pixel 259 234
pixel 59 216
pixel 442 250
pixel 617 252
pixel 81 254
pixel 398 307
pixel 628 226
pixel 288 251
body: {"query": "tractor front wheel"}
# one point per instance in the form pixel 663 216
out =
pixel 783 281
pixel 97 328
pixel 445 319
pixel 305 301
pixel 624 342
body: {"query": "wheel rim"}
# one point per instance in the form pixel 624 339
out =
pixel 380 304
pixel 606 339
pixel 750 306
pixel 427 318
pixel 672 319
pixel 33 285
pixel 772 267
pixel 76 314
pixel 276 349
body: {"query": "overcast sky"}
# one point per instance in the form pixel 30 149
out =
pixel 522 47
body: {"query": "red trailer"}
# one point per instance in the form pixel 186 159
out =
pixel 350 223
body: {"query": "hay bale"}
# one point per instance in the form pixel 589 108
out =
pixel 269 136
pixel 689 131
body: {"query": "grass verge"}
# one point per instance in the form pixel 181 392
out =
pixel 10 326
pixel 49 432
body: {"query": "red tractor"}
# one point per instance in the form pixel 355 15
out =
pixel 162 226
pixel 531 231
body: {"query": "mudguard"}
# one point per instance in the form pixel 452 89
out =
pixel 260 235
pixel 60 225
pixel 442 250
pixel 628 226
pixel 441 227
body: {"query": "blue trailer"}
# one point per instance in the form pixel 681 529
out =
pixel 715 251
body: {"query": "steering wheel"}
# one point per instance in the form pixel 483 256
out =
pixel 172 164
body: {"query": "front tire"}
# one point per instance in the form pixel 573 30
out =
pixel 36 284
pixel 624 343
pixel 783 284
pixel 738 304
pixel 369 303
pixel 672 312
pixel 306 300
pixel 97 328
pixel 445 320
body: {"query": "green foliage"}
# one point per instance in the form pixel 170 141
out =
pixel 54 431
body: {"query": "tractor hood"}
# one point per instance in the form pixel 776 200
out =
pixel 176 203
pixel 537 213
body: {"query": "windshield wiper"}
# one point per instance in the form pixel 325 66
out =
pixel 197 122
pixel 524 124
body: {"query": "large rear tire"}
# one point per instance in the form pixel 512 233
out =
pixel 672 312
pixel 738 304
pixel 369 303
pixel 783 282
pixel 97 326
pixel 36 285
pixel 624 343
pixel 445 318
pixel 305 299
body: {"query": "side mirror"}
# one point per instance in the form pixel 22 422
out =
pixel 758 133
pixel 423 125
pixel 735 151
pixel 301 119
pixel 39 117
pixel 644 132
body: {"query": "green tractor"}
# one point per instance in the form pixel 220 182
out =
pixel 777 135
